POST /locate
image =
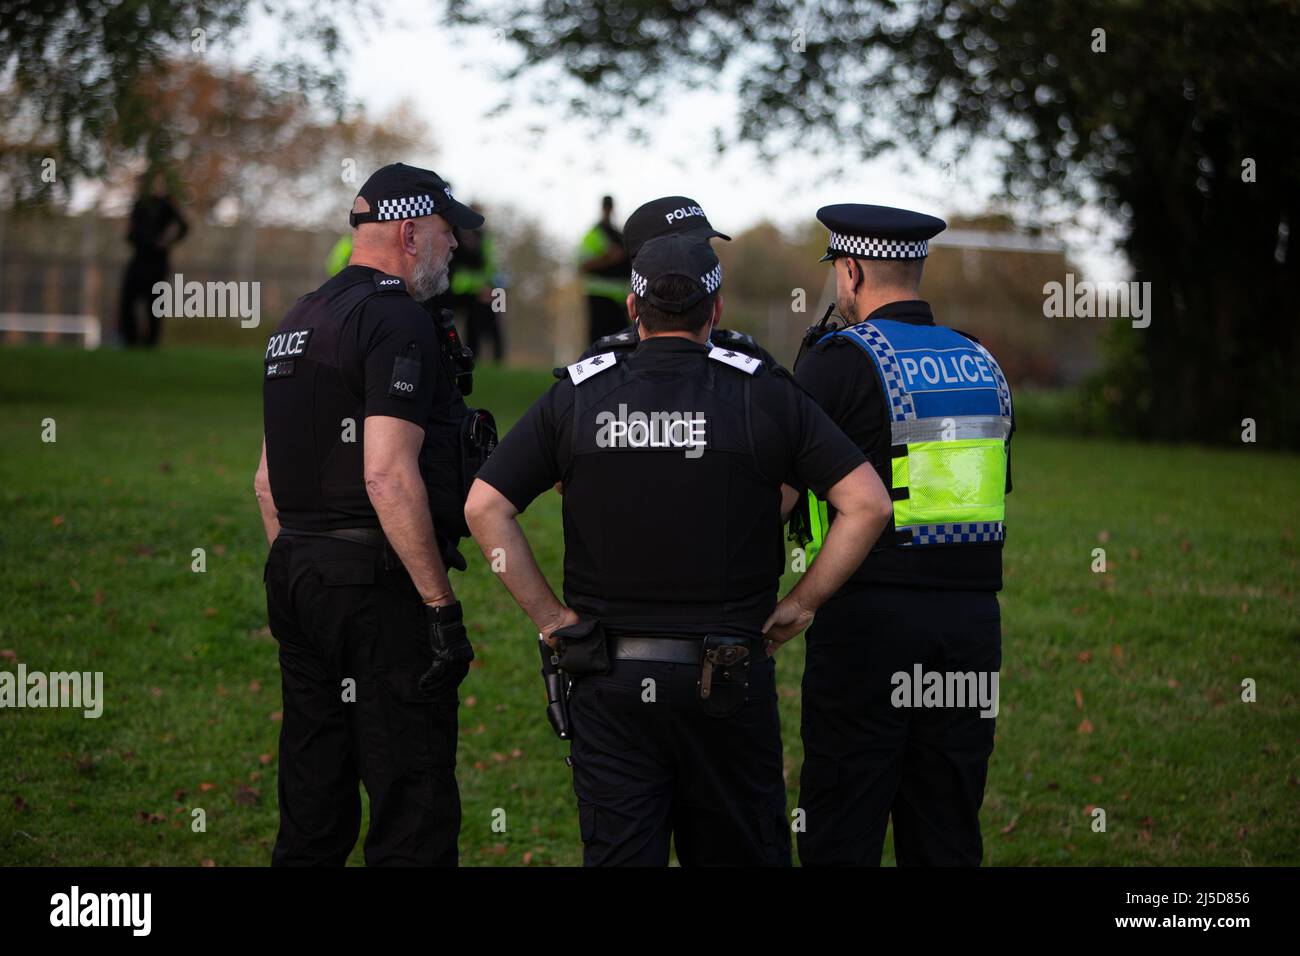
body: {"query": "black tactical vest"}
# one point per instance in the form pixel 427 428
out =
pixel 670 525
pixel 315 459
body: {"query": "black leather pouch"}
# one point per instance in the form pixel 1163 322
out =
pixel 582 649
pixel 724 675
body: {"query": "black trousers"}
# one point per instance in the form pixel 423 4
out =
pixel 142 272
pixel 353 645
pixel 646 772
pixel 866 759
pixel 605 317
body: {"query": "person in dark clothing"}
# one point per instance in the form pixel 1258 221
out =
pixel 155 226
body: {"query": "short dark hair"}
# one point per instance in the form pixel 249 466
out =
pixel 655 319
pixel 894 273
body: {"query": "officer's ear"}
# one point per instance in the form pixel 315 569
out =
pixel 406 237
pixel 716 318
pixel 631 307
pixel 855 273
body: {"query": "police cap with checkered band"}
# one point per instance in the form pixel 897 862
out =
pixel 878 232
pixel 397 191
pixel 676 255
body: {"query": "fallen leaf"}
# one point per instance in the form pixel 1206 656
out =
pixel 156 691
pixel 9 654
pixel 1095 778
pixel 75 586
pixel 209 612
pixel 1010 826
pixel 1185 545
pixel 276 715
pixel 265 759
pixel 56 520
pixel 471 700
pixel 1078 698
pixel 1083 657
pixel 1086 726
pixel 20 805
pixel 1173 683
pixel 247 797
pixel 255 687
pixel 528 857
pixel 1103 536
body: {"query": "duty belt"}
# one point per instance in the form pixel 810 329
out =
pixel 374 537
pixel 666 650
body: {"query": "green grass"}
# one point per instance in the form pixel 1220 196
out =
pixel 154 457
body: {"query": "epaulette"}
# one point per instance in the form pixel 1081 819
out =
pixel 582 370
pixel 749 364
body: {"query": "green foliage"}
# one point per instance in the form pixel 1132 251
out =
pixel 78 75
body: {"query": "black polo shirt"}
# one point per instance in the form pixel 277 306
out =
pixel 841 377
pixel 657 540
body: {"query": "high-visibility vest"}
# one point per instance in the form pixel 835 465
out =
pixel 596 243
pixel 339 255
pixel 949 410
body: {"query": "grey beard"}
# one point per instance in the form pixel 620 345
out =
pixel 426 283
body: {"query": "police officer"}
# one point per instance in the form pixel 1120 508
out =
pixel 666 216
pixel 361 494
pixel 931 409
pixel 604 266
pixel 672 461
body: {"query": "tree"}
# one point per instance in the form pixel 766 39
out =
pixel 238 148
pixel 75 72
pixel 1180 118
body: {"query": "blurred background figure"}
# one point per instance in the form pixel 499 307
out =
pixel 155 226
pixel 605 272
pixel 339 255
pixel 475 272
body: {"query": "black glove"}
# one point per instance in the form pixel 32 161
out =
pixel 451 649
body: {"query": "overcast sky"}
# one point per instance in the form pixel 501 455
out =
pixel 554 169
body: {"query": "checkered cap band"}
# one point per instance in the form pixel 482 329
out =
pixel 869 248
pixel 407 207
pixel 712 279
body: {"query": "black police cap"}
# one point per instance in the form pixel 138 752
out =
pixel 676 255
pixel 398 191
pixel 671 215
pixel 878 232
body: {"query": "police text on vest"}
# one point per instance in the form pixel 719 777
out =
pixel 654 430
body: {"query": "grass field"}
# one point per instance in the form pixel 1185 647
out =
pixel 1120 690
